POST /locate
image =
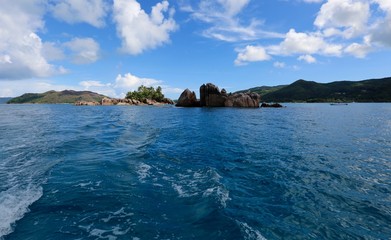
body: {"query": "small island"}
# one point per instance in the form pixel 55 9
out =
pixel 211 96
pixel 143 96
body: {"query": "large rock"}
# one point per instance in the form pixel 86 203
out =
pixel 210 96
pixel 107 102
pixel 247 100
pixel 85 103
pixel 188 99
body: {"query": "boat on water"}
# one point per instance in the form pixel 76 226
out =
pixel 338 104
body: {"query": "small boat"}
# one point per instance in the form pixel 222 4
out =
pixel 338 104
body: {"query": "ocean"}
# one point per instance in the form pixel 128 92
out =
pixel 307 171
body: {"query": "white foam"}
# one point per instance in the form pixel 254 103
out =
pixel 249 232
pixel 99 233
pixel 204 183
pixel 83 184
pixel 117 214
pixel 14 203
pixel 179 190
pixel 221 193
pixel 143 171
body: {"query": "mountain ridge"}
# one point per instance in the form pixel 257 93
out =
pixel 57 97
pixel 370 90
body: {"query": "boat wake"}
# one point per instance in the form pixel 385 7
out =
pixel 14 204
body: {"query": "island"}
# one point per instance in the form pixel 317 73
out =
pixel 55 97
pixel 370 90
pixel 211 96
pixel 143 96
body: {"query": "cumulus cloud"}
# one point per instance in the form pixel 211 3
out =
pixel 52 51
pixel 5 59
pixel 92 12
pixel 88 84
pixel 16 88
pixel 132 82
pixel 21 49
pixel 140 31
pixel 385 5
pixel 84 50
pixel 381 31
pixel 224 21
pixel 307 58
pixel 358 50
pixel 251 54
pixel 349 15
pixel 305 43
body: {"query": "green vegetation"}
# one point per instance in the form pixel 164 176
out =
pixel 373 90
pixel 53 97
pixel 144 93
pixel 263 90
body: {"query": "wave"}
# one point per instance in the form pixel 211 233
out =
pixel 249 232
pixel 14 204
pixel 205 183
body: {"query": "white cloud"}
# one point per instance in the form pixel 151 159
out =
pixel 84 50
pixel 358 50
pixel 279 64
pixel 381 32
pixel 92 12
pixel 170 90
pixel 225 23
pixel 140 31
pixel 116 88
pixel 251 54
pixel 131 82
pixel 52 52
pixel 5 59
pixel 20 46
pixel 304 43
pixel 307 58
pixel 17 88
pixel 349 15
pixel 385 5
pixel 233 7
pixel 88 84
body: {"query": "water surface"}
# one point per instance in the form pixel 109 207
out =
pixel 308 171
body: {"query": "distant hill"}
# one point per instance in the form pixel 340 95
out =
pixel 373 90
pixel 4 100
pixel 263 90
pixel 66 96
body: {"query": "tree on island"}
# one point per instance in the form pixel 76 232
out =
pixel 143 93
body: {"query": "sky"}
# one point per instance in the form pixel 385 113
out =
pixel 114 46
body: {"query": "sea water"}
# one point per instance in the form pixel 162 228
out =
pixel 307 171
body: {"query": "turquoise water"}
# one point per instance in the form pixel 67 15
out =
pixel 308 171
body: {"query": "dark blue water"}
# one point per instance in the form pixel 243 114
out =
pixel 308 171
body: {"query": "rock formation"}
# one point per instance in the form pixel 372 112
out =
pixel 188 99
pixel 271 105
pixel 211 96
pixel 84 103
pixel 123 102
pixel 249 100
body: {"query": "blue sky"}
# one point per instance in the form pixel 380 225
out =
pixel 113 46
